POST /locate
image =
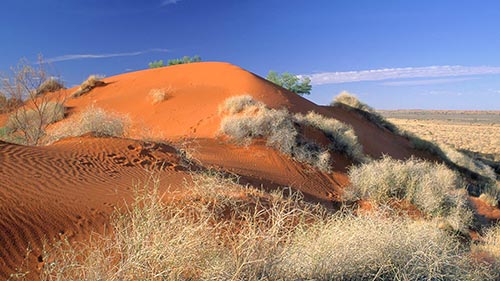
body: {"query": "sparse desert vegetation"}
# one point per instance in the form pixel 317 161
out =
pixel 252 119
pixel 249 119
pixel 35 101
pixel 269 236
pixel 229 215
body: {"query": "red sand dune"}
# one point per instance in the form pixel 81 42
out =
pixel 69 188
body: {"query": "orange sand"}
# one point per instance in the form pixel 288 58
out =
pixel 69 188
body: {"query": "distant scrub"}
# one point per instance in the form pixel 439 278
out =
pixel 92 82
pixel 276 236
pixel 453 158
pixel 433 188
pixel 92 120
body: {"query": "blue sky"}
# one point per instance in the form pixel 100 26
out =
pixel 392 54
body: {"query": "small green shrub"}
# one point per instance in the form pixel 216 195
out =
pixel 432 188
pixel 156 64
pixel 299 85
pixel 184 60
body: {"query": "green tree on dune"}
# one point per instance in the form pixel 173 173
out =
pixel 293 83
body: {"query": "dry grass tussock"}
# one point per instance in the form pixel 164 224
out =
pixel 247 119
pixel 490 246
pixel 491 193
pixel 49 86
pixel 87 85
pixel 252 119
pixel 433 188
pixel 92 120
pixel 342 136
pixel 224 231
pixel 159 95
pixel 351 102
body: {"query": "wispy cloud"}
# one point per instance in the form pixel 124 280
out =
pixel 400 73
pixel 427 81
pixel 169 2
pixel 102 56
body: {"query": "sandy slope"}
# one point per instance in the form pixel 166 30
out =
pixel 69 188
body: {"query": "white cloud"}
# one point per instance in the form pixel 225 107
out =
pixel 400 73
pixel 101 56
pixel 169 2
pixel 427 81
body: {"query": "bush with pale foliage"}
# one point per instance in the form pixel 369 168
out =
pixel 342 136
pixel 160 94
pixel 50 85
pixel 93 120
pixel 246 119
pixel 249 119
pixel 433 188
pixel 489 247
